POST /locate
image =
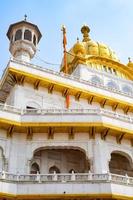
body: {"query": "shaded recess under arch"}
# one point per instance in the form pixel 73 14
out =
pixel 121 164
pixel 27 35
pixel 34 168
pixel 61 160
pixel 54 169
pixel 18 35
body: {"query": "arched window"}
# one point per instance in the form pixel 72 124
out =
pixel 27 35
pixel 34 40
pixel 18 35
pixel 112 85
pixel 127 89
pixel 54 169
pixel 96 79
pixel 35 168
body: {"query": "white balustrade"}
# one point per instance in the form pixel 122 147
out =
pixel 119 179
pixel 130 180
pixel 97 111
pixel 71 177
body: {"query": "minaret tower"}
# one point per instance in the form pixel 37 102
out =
pixel 24 37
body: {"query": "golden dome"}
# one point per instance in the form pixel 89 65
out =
pixel 100 49
pixel 96 48
pixel 88 48
pixel 79 48
pixel 93 48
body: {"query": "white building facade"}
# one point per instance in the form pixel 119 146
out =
pixel 65 135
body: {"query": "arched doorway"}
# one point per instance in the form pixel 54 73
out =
pixel 120 164
pixel 34 168
pixel 61 160
pixel 54 169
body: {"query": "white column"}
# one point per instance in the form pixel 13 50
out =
pixel 8 156
pixel 44 162
pixel 32 35
pixel 23 30
pixel 28 157
pixel 89 154
pixel 101 156
pixel 13 35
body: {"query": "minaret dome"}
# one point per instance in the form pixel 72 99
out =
pixel 24 37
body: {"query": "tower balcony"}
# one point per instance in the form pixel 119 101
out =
pixel 74 185
pixel 94 117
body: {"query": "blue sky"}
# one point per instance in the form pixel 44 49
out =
pixel 110 21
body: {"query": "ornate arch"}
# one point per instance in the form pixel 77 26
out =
pixel 61 147
pixel 121 163
pixel 27 35
pixel 34 168
pixel 75 150
pixel 18 35
pixel 53 169
pixel 125 154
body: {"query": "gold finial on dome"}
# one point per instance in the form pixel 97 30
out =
pixel 77 40
pixel 130 63
pixel 129 59
pixel 85 31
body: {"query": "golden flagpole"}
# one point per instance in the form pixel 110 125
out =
pixel 64 47
pixel 65 62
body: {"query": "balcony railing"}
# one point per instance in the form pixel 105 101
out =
pixel 97 111
pixel 73 177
